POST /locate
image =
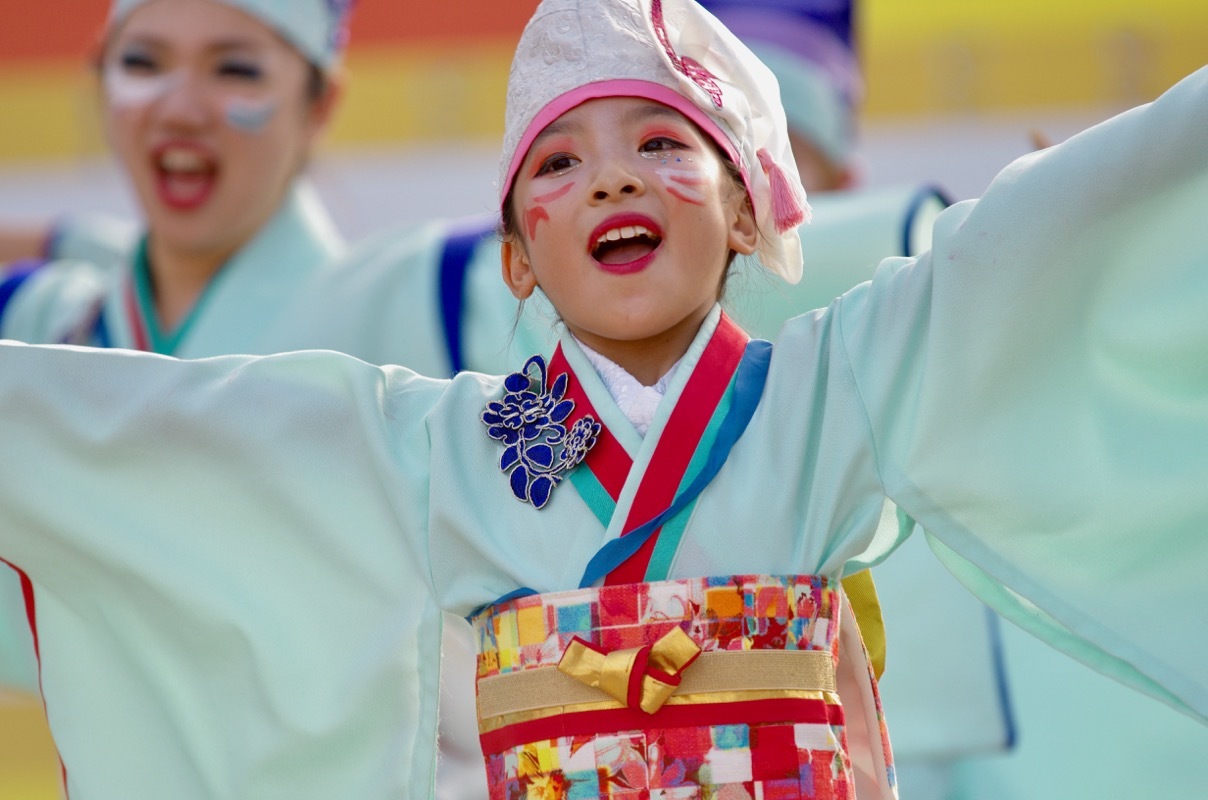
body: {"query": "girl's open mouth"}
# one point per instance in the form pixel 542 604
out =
pixel 625 244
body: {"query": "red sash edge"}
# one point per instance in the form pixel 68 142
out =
pixel 31 616
pixel 138 325
pixel 589 723
pixel 608 460
pixel 706 387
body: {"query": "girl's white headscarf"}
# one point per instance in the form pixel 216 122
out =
pixel 318 28
pixel 676 53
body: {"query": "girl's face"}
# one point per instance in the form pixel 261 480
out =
pixel 626 216
pixel 208 111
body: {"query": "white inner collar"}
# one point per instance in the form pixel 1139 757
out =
pixel 637 402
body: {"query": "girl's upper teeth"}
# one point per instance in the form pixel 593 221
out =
pixel 627 232
pixel 182 160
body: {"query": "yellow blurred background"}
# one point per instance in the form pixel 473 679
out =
pixel 417 73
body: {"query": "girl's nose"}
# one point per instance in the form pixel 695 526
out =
pixel 615 181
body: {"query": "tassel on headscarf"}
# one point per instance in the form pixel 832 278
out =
pixel 789 207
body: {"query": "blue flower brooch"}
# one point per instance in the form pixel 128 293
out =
pixel 529 420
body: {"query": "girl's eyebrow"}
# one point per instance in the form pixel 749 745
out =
pixel 558 126
pixel 641 113
pixel 652 111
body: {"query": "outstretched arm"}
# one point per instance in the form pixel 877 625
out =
pixel 1038 396
pixel 225 563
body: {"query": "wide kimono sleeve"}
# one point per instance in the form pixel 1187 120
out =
pixel 231 581
pixel 1037 391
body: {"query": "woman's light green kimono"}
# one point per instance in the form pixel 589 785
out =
pixel 255 550
pixel 233 315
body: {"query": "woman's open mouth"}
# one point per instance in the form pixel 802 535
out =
pixel 185 177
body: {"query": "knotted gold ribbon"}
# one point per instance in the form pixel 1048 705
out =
pixel 640 677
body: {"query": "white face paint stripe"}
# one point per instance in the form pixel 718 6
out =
pixel 250 116
pixel 683 181
pixel 129 91
pixel 126 91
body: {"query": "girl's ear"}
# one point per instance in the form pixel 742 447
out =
pixel 517 271
pixel 744 232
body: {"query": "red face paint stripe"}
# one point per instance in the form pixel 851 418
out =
pixel 532 216
pixel 591 723
pixel 671 190
pixel 679 440
pixel 554 195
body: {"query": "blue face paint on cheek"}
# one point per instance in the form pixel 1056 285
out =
pixel 249 116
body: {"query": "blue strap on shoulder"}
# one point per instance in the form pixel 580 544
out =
pixel 460 243
pixel 748 389
pixel 1000 678
pixel 16 274
pixel 920 197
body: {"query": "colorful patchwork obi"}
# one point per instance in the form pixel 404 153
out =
pixel 703 688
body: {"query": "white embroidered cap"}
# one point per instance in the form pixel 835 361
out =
pixel 676 53
pixel 318 28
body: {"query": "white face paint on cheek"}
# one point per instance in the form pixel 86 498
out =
pixel 249 116
pixel 132 91
pixel 683 180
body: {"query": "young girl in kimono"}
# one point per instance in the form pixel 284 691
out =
pixel 240 560
pixel 253 306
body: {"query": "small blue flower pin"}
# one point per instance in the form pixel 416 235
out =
pixel 538 449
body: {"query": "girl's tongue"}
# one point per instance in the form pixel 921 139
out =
pixel 625 245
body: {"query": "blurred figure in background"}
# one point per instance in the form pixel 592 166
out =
pixel 811 47
pixel 212 108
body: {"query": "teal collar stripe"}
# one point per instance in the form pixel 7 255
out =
pixel 144 322
pixel 594 494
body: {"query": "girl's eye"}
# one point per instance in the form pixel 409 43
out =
pixel 240 70
pixel 556 163
pixel 661 144
pixel 138 63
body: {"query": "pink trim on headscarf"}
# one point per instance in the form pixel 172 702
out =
pixel 689 66
pixel 618 88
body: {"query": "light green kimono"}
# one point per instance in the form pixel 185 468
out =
pixel 254 576
pixel 94 238
pixel 380 303
pixel 383 304
pixel 231 317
